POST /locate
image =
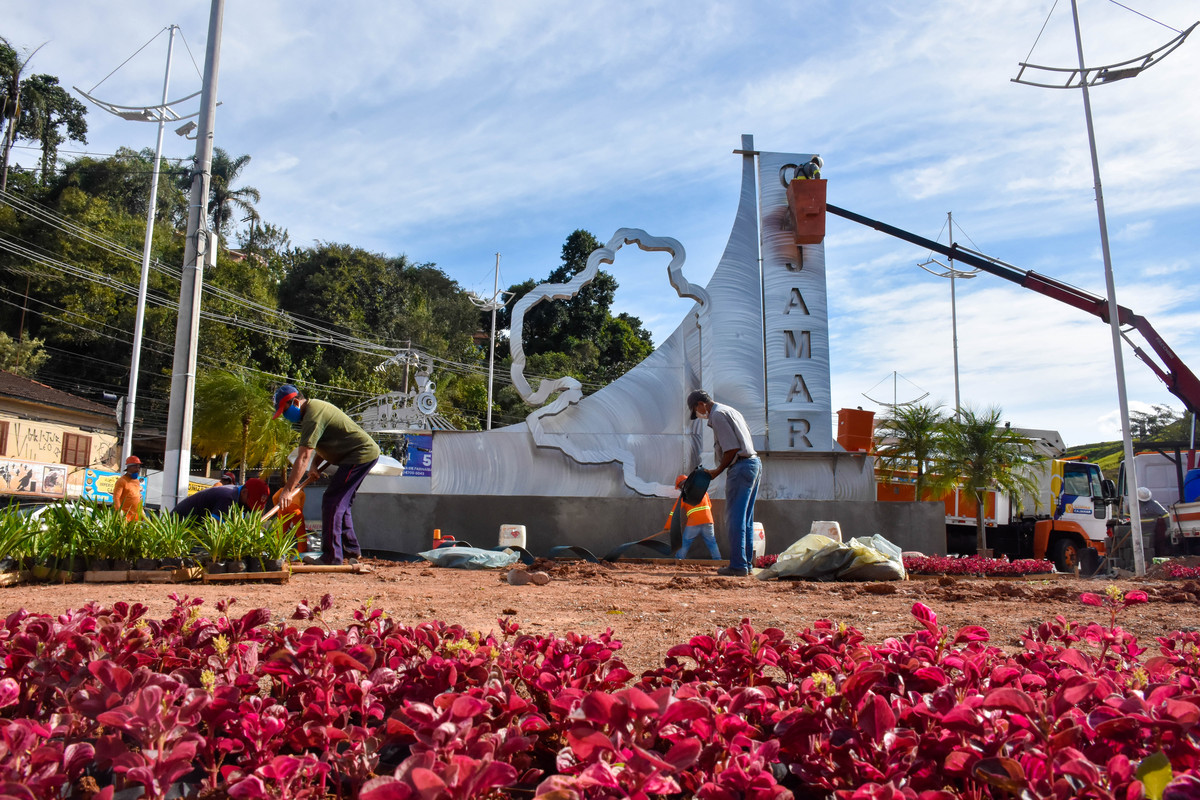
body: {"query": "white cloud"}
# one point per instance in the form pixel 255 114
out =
pixel 450 132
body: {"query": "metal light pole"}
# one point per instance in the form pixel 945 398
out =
pixel 161 114
pixel 135 359
pixel 1087 77
pixel 951 273
pixel 493 304
pixel 200 249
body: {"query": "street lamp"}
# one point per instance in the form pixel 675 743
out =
pixel 951 273
pixel 160 114
pixel 1083 77
pixel 493 303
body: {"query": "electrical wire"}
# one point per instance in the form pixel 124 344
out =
pixel 1043 30
pixel 61 151
pixel 316 332
pixel 1140 14
pixel 126 61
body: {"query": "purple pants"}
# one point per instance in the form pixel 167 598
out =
pixel 337 527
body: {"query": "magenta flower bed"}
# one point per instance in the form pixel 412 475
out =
pixel 250 707
pixel 975 565
pixel 1180 571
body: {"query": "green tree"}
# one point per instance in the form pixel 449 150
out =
pixel 12 66
pixel 223 199
pixel 388 301
pixel 987 455
pixel 233 415
pixel 24 357
pixel 1161 424
pixel 123 180
pixel 580 333
pixel 50 116
pixel 911 437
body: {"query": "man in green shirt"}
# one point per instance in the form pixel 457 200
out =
pixel 326 431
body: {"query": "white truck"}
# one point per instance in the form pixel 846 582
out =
pixel 1069 511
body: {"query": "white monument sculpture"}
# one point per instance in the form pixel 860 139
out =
pixel 756 339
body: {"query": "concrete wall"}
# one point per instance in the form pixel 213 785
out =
pixel 404 522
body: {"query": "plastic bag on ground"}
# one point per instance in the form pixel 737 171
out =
pixel 470 558
pixel 817 557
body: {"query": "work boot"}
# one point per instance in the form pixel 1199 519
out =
pixel 733 572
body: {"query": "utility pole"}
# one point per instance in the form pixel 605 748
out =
pixel 200 248
pixel 496 301
pixel 161 114
pixel 1083 77
pixel 143 282
pixel 492 341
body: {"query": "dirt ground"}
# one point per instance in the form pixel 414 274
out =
pixel 651 607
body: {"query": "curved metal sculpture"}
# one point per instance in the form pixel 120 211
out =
pixel 756 338
pixel 567 388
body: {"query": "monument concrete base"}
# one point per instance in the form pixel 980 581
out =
pixel 404 523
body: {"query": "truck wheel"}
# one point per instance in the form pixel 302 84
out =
pixel 1065 554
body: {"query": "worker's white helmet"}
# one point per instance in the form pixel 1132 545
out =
pixel 819 162
pixel 1143 493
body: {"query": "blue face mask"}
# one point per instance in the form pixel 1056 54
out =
pixel 292 414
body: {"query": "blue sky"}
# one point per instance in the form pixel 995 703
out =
pixel 453 131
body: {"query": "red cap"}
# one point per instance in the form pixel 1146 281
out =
pixel 283 398
pixel 133 460
pixel 254 494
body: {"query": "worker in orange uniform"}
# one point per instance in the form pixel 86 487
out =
pixel 697 521
pixel 293 518
pixel 127 492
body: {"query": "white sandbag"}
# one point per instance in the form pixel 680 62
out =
pixel 817 557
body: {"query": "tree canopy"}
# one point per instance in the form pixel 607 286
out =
pixel 579 336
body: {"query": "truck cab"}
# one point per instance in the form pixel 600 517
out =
pixel 1072 511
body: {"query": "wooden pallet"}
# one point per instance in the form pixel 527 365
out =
pixel 13 578
pixel 234 577
pixel 44 573
pixel 348 568
pixel 178 575
pixel 106 576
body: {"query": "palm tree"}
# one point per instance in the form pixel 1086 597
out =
pixel 223 198
pixel 987 455
pixel 233 414
pixel 911 436
pixel 11 68
pixel 50 116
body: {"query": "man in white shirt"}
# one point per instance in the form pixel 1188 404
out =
pixel 735 453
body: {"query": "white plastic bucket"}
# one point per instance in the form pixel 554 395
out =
pixel 512 535
pixel 829 528
pixel 760 540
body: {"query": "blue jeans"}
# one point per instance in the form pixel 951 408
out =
pixel 741 489
pixel 704 531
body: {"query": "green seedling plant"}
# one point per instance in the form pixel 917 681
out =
pixel 166 535
pixel 66 530
pixel 277 541
pixel 215 538
pixel 244 528
pixel 15 535
pixel 111 535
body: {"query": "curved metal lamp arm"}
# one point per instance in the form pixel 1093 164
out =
pixel 1094 75
pixel 158 113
